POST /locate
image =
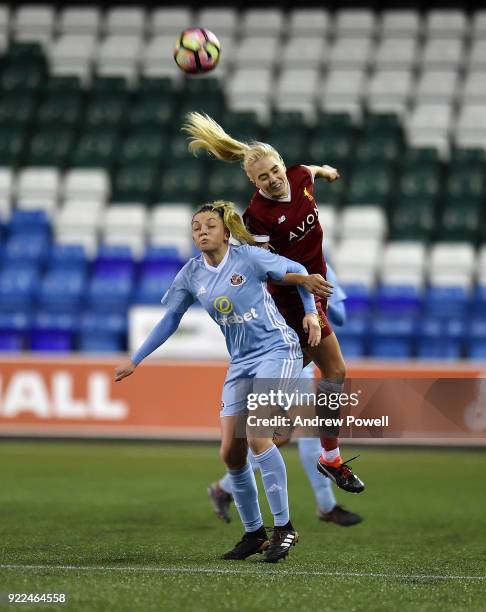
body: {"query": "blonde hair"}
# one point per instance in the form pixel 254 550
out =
pixel 231 219
pixel 206 133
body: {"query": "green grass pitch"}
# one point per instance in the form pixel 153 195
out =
pixel 130 529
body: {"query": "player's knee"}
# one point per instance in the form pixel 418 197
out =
pixel 232 457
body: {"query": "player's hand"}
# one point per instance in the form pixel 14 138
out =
pixel 330 174
pixel 312 327
pixel 316 284
pixel 123 370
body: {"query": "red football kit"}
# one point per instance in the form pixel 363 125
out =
pixel 292 227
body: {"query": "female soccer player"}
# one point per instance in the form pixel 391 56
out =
pixel 328 509
pixel 283 214
pixel 230 282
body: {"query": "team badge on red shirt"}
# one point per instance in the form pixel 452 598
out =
pixel 237 279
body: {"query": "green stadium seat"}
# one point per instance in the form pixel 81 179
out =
pixel 468 158
pixel 155 87
pixel 104 85
pixel 333 121
pixel 50 147
pixel 143 147
pixel 63 109
pixel 12 143
pixel 135 184
pixel 152 113
pixel 419 183
pixel 24 53
pixel 16 109
pixel 333 148
pixel 183 182
pixel 419 158
pixel 370 184
pixel 461 219
pixel 106 110
pixel 229 182
pixel 211 106
pixel 330 193
pixel 62 85
pixel 465 182
pixel 413 219
pixel 202 87
pixel 378 148
pixel 96 148
pixel 25 78
pixel 287 123
pixel 382 123
pixel 178 149
pixel 242 125
pixel 290 146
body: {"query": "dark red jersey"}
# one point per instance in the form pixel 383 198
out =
pixel 294 231
pixel 292 227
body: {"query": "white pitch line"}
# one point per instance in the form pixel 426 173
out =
pixel 202 570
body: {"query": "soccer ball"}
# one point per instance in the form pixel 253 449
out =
pixel 197 50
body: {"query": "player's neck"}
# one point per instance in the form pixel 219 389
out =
pixel 214 258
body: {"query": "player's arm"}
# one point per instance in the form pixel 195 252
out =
pixel 313 283
pixel 328 173
pixel 177 299
pixel 160 333
pixel 336 306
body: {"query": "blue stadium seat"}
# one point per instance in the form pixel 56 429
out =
pixel 445 348
pixel 51 341
pixel 103 332
pixel 113 260
pixel 14 328
pixel 69 257
pixel 18 289
pixel 151 287
pixel 31 222
pixel 21 249
pixel 392 337
pixel 479 300
pixel 358 300
pixel 446 302
pixel 161 256
pixel 397 300
pixel 352 348
pixel 476 341
pixel 108 293
pixel 63 290
pixel 477 350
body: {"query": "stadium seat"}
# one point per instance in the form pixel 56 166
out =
pixel 397 300
pixel 396 54
pixel 79 20
pixel 223 20
pixel 18 289
pixel 359 221
pixel 70 258
pixel 14 330
pixel 169 21
pixel 89 184
pixel 392 337
pixel 451 264
pixel 304 52
pixel 21 250
pixel 442 54
pixel 28 223
pixel 257 52
pixel 461 219
pixel 446 23
pixel 267 22
pixel 370 185
pixel 63 290
pixel 310 22
pixel 436 87
pixel 477 58
pixel 230 183
pixel 133 183
pixel 16 110
pixel 53 332
pixel 355 22
pixel 125 21
pixel 446 302
pixel 350 53
pixel 356 261
pixel 403 264
pixel 398 23
pixel 38 188
pixel 51 146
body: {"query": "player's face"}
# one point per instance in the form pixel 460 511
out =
pixel 208 232
pixel 268 174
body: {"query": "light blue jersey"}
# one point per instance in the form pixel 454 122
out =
pixel 235 295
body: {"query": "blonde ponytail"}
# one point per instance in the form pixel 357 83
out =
pixel 231 220
pixel 206 133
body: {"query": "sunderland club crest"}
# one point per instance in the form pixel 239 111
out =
pixel 237 279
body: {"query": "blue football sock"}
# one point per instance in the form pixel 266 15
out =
pixel 274 478
pixel 245 494
pixel 225 483
pixel 309 451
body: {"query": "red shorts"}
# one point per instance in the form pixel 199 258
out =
pixel 293 313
